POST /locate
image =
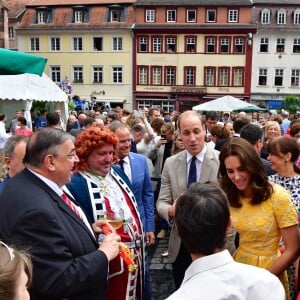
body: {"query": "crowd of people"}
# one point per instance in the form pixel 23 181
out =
pixel 82 199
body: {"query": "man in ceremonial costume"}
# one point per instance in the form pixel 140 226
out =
pixel 103 191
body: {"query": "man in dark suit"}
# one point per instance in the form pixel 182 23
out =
pixel 67 260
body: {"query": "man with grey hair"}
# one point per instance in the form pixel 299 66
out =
pixel 41 217
pixel 14 152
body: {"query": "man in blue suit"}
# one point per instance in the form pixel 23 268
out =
pixel 135 166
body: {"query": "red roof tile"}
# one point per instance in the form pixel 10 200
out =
pixel 61 19
pixel 75 2
pixel 15 7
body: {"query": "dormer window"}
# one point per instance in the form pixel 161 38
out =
pixel 80 14
pixel 43 15
pixel 281 16
pixel 297 16
pixel 115 13
pixel 265 16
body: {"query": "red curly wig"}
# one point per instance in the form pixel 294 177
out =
pixel 89 140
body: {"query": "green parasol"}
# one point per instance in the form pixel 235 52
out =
pixel 14 63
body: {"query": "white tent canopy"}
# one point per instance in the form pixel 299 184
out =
pixel 29 88
pixel 225 104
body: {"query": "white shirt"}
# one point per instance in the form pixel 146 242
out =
pixel 126 167
pixel 218 276
pixel 3 135
pixel 199 161
pixel 59 192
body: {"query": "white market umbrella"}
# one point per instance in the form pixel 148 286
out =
pixel 226 103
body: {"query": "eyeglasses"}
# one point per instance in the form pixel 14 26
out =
pixel 10 250
pixel 72 154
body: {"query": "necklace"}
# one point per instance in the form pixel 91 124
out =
pixel 102 182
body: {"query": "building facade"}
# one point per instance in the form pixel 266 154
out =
pixel 276 52
pixel 187 52
pixel 88 45
pixel 3 24
pixel 16 8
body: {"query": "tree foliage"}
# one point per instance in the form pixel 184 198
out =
pixel 291 103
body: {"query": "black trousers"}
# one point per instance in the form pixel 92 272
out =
pixel 180 265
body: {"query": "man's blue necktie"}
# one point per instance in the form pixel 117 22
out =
pixel 193 171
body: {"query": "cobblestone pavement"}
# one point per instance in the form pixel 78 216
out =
pixel 161 270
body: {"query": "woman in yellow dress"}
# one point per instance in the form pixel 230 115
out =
pixel 262 212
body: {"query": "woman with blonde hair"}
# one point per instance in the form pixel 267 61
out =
pixel 271 130
pixel 15 273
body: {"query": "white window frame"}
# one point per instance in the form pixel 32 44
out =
pixel 117 73
pixel 157 44
pixel 295 74
pixel 171 15
pixel 262 72
pixel 239 43
pixel 190 76
pixel 117 43
pixel 208 12
pixel 11 32
pixel 41 16
pixel 77 74
pixel 191 15
pixel 97 71
pixel 171 41
pixel 297 16
pixel 211 41
pixel 280 44
pixel 296 45
pixel 156 75
pixel 210 76
pixel 115 15
pixel 233 15
pixel 143 75
pixel 78 16
pixel 279 75
pixel 265 16
pixel 143 42
pixel 281 16
pixel 264 41
pixel 55 44
pixel 225 42
pixel 224 77
pixel 238 77
pixel 77 43
pixel 34 44
pixel 170 75
pixel 55 72
pixel 150 15
pixel 93 43
pixel 191 43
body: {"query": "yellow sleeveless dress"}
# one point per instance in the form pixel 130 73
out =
pixel 259 229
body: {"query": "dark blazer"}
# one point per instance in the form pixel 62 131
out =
pixel 66 262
